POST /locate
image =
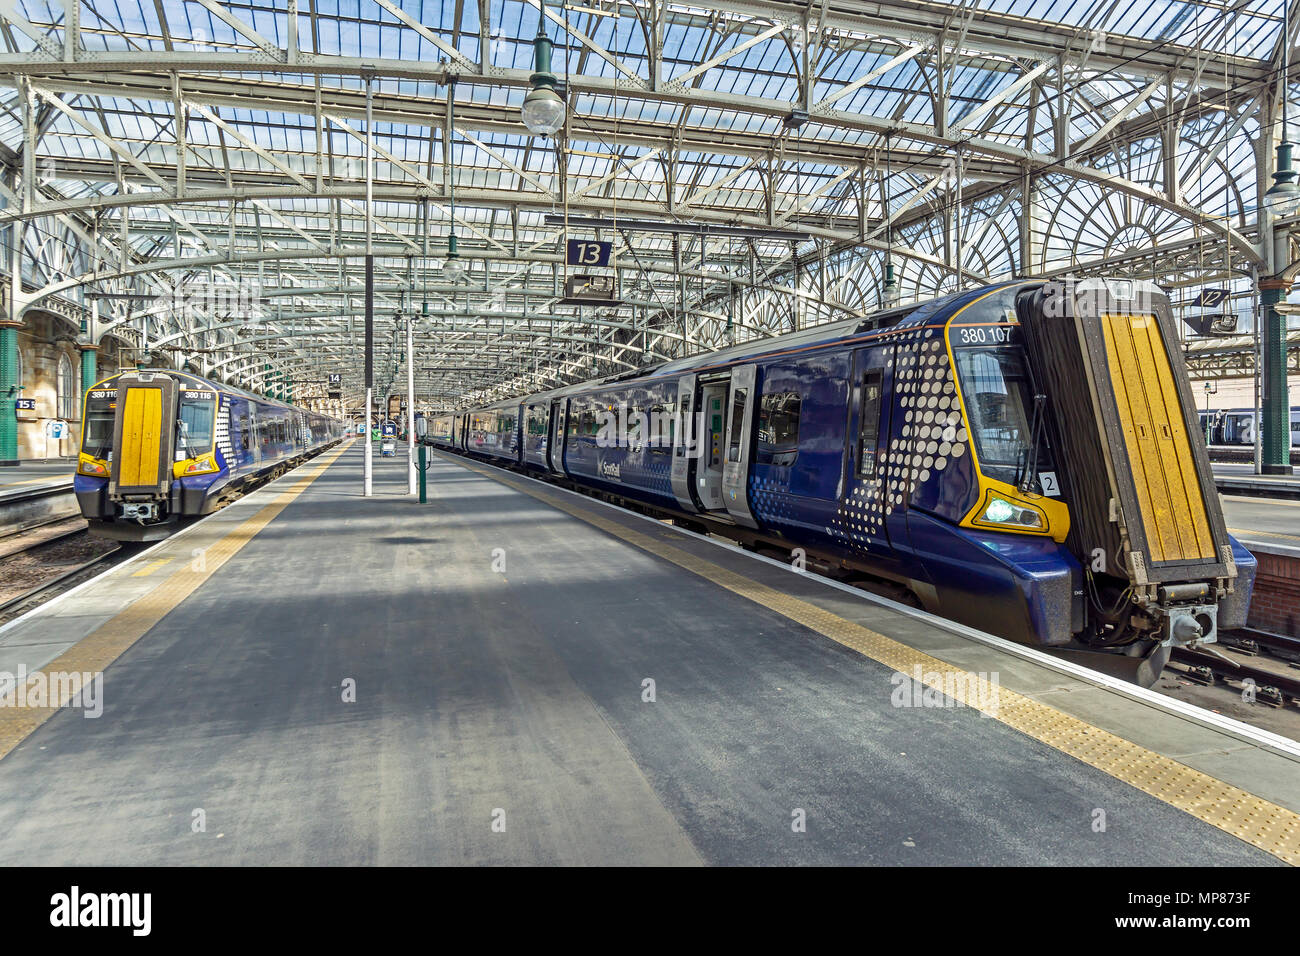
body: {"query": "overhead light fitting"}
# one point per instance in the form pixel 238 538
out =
pixel 453 268
pixel 543 110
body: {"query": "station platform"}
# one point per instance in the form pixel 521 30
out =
pixel 1271 524
pixel 540 678
pixel 1240 479
pixel 30 474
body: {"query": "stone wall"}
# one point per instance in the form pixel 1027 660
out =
pixel 42 340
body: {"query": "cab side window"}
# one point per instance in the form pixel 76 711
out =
pixel 870 431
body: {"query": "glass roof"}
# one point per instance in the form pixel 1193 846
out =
pixel 906 132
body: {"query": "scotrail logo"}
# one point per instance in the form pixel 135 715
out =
pixel 75 909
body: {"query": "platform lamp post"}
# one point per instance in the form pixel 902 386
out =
pixel 410 403
pixel 368 451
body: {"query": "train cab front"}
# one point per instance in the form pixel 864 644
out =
pixel 1099 438
pixel 126 482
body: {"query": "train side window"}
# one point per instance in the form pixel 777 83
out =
pixel 737 423
pixel 870 428
pixel 778 429
pixel 660 423
pixel 243 431
pixel 687 427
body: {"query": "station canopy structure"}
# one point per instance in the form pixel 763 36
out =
pixel 192 176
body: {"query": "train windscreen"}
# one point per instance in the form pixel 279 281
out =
pixel 97 436
pixel 194 425
pixel 999 404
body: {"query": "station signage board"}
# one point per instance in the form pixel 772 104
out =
pixel 587 252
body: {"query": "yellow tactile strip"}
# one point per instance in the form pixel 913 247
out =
pixel 102 646
pixel 1258 822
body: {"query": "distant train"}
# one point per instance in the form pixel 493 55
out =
pixel 1236 426
pixel 1019 458
pixel 158 446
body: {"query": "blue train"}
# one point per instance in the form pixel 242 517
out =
pixel 158 446
pixel 1236 426
pixel 1024 458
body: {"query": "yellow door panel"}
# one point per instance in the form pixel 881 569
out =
pixel 141 437
pixel 1169 496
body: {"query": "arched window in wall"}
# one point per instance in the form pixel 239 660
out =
pixel 69 397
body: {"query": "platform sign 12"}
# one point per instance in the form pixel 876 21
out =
pixel 1209 298
pixel 588 252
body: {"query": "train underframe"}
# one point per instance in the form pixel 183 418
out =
pixel 154 517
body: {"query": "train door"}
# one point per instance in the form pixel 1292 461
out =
pixel 713 434
pixel 686 447
pixel 254 434
pixel 864 484
pixel 555 439
pixel 739 445
pixel 144 431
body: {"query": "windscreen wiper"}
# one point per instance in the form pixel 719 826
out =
pixel 1029 477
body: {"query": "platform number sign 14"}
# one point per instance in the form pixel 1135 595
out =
pixel 588 252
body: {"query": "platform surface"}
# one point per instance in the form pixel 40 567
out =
pixel 1271 522
pixel 500 639
pixel 1240 479
pixel 30 474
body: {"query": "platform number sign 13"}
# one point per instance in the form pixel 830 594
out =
pixel 588 252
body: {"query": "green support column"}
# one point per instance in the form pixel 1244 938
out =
pixel 9 392
pixel 1275 436
pixel 89 367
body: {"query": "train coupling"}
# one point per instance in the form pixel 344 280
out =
pixel 140 511
pixel 1188 623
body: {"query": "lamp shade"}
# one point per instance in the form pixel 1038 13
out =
pixel 453 268
pixel 543 111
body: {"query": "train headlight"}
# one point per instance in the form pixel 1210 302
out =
pixel 203 465
pixel 92 466
pixel 1003 511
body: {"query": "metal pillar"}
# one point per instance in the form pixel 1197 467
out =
pixel 369 465
pixel 1275 454
pixel 89 366
pixel 423 467
pixel 368 468
pixel 9 392
pixel 410 404
pixel 10 387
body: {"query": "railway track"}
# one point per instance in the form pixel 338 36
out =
pixel 40 562
pixel 1249 674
